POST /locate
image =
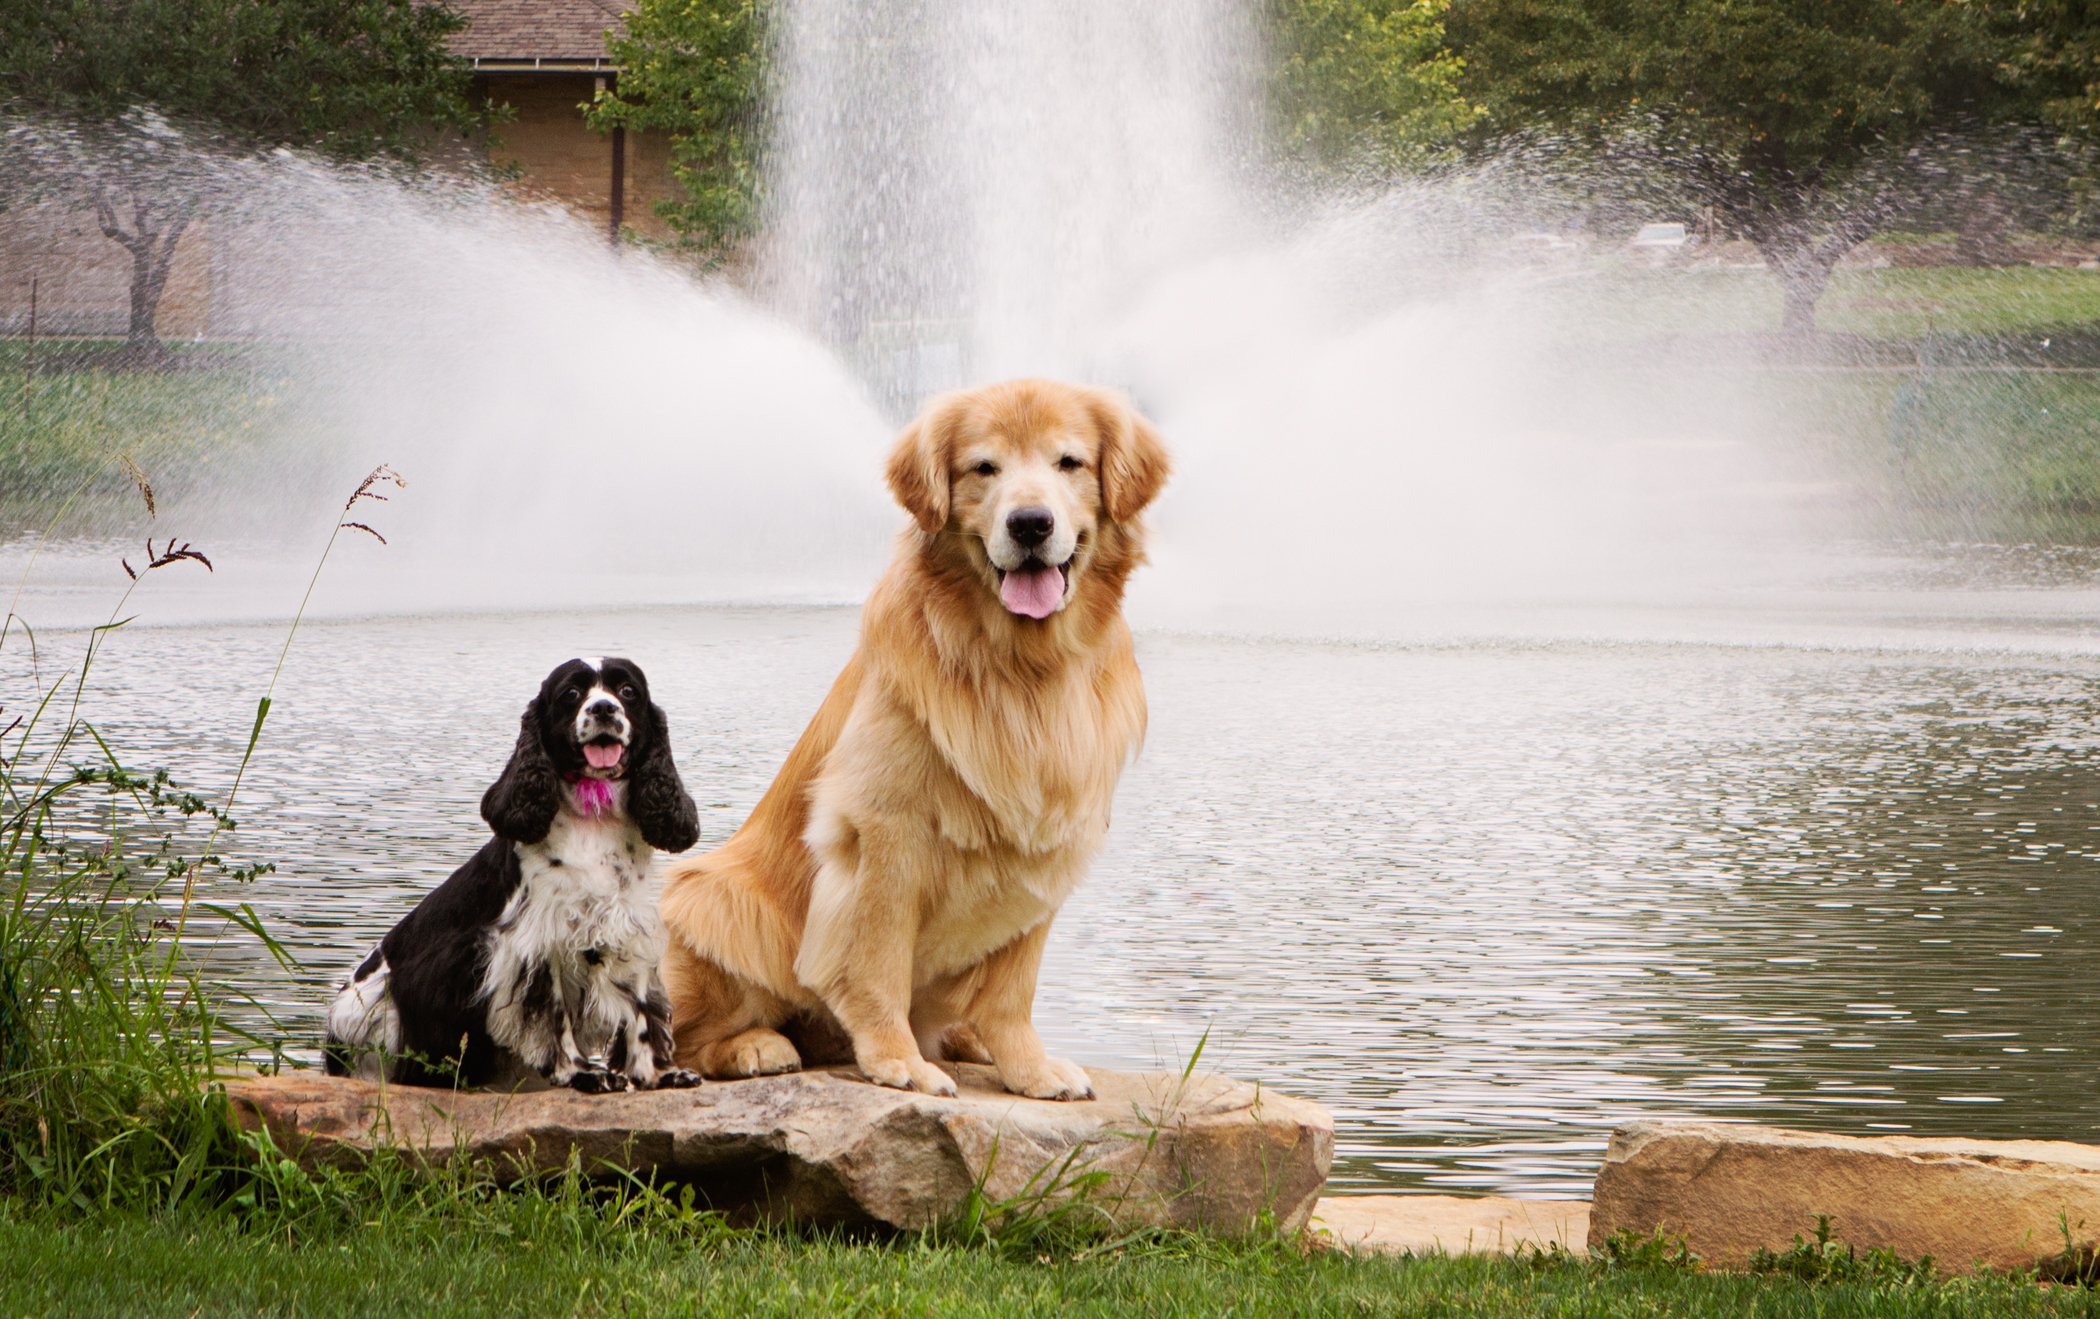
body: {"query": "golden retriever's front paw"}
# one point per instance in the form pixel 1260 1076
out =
pixel 755 1052
pixel 909 1074
pixel 1054 1078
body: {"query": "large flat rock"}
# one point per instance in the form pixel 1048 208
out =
pixel 1450 1224
pixel 2002 1204
pixel 826 1147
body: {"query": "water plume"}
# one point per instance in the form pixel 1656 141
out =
pixel 1387 399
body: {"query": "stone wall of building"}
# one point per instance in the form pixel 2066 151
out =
pixel 560 159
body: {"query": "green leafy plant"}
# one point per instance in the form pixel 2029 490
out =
pixel 1657 1252
pixel 1364 86
pixel 1826 1259
pixel 111 1031
pixel 696 70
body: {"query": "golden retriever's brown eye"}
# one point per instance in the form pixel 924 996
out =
pixel 986 469
pixel 1069 464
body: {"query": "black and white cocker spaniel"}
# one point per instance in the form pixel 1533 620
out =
pixel 541 952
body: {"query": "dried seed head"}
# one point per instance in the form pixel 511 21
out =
pixel 138 478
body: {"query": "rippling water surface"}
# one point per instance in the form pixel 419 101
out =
pixel 1483 898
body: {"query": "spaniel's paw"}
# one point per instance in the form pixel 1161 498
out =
pixel 595 1081
pixel 677 1078
pixel 909 1074
pixel 1053 1078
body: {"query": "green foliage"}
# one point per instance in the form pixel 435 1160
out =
pixel 1657 1252
pixel 353 80
pixel 106 1035
pixel 1775 87
pixel 696 70
pixel 576 1209
pixel 1803 127
pixel 56 422
pixel 527 1254
pixel 1826 1260
pixel 2053 59
pixel 1365 84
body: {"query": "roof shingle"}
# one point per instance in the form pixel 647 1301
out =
pixel 538 29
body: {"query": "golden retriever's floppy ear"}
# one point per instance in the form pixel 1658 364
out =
pixel 1134 463
pixel 918 468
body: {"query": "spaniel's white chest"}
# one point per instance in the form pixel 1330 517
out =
pixel 583 888
pixel 602 852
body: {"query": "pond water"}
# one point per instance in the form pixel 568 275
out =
pixel 1826 859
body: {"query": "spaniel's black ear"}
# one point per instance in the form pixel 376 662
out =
pixel 521 804
pixel 656 798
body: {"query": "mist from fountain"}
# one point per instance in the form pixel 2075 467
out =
pixel 1363 394
pixel 1385 422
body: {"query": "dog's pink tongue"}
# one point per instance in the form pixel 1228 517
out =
pixel 1034 591
pixel 602 757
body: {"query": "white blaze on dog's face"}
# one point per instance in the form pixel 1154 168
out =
pixel 594 699
pixel 1032 502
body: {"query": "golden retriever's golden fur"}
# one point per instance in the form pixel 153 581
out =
pixel 893 889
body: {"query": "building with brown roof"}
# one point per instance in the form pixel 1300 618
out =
pixel 545 59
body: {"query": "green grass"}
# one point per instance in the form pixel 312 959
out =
pixel 1627 302
pixel 186 1266
pixel 60 430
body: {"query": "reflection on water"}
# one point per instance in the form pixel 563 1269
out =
pixel 1483 899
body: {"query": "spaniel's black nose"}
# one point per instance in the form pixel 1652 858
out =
pixel 1030 526
pixel 603 708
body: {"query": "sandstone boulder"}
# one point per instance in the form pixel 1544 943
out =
pixel 2002 1204
pixel 825 1147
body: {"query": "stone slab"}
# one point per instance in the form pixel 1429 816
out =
pixel 1450 1225
pixel 827 1147
pixel 2001 1204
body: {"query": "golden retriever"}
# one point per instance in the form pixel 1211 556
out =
pixel 896 883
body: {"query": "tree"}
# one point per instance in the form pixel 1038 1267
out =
pixel 1364 85
pixel 696 70
pixel 351 79
pixel 2053 57
pixel 1806 125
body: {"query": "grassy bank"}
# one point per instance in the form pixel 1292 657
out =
pixel 1630 302
pixel 118 1265
pixel 62 424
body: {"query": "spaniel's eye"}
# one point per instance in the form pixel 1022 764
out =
pixel 1069 464
pixel 986 469
pixel 627 692
pixel 573 694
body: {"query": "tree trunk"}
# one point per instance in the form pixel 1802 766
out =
pixel 1798 319
pixel 1983 228
pixel 152 257
pixel 1803 271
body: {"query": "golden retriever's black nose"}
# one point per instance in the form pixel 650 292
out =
pixel 1030 526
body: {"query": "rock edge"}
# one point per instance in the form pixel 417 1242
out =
pixel 828 1148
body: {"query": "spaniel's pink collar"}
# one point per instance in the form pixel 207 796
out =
pixel 594 797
